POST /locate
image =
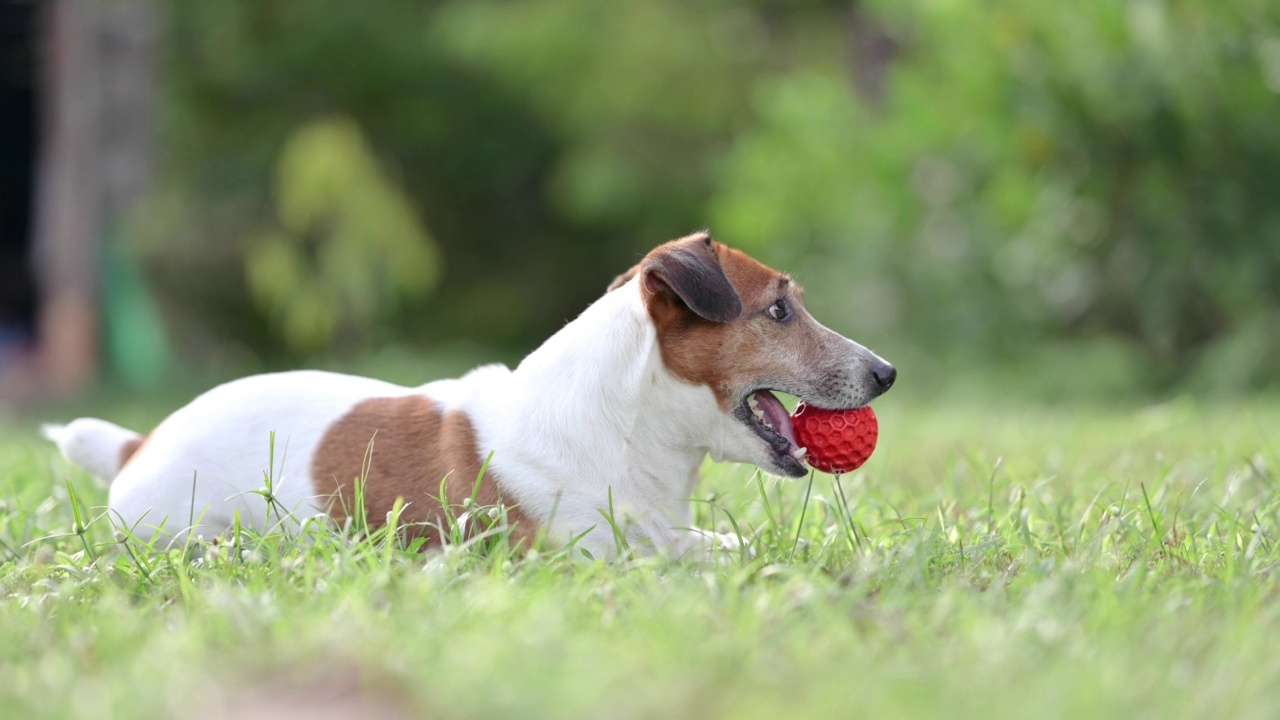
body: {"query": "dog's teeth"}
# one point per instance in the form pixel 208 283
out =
pixel 760 415
pixel 753 403
pixel 799 453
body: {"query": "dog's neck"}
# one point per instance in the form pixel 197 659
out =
pixel 606 414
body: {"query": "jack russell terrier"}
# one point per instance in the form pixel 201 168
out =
pixel 613 414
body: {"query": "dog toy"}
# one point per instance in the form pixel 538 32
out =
pixel 837 441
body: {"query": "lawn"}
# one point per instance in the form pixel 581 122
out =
pixel 992 560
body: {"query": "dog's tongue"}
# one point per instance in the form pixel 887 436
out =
pixel 775 415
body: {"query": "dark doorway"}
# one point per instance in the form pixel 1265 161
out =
pixel 17 155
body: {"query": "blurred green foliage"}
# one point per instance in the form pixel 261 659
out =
pixel 1038 170
pixel 347 247
pixel 950 176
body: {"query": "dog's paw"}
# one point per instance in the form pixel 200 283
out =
pixel 702 545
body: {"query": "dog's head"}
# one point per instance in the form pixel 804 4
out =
pixel 729 322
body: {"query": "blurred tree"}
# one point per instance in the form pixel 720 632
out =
pixel 347 246
pixel 1050 170
pixel 244 75
pixel 548 143
pixel 969 177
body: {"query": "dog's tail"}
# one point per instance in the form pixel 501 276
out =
pixel 96 445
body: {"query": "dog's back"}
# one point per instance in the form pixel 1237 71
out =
pixel 210 459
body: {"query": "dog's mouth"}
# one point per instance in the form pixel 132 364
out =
pixel 765 415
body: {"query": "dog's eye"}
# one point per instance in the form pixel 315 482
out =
pixel 779 310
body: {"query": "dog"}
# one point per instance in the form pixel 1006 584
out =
pixel 612 416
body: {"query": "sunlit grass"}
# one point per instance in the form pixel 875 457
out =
pixel 989 561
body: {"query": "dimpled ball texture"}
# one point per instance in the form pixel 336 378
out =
pixel 838 441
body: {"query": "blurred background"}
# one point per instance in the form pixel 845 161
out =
pixel 1057 199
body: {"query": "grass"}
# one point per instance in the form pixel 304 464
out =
pixel 988 562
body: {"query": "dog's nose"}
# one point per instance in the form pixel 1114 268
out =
pixel 884 375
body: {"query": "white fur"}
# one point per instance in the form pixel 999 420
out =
pixel 594 412
pixel 590 414
pixel 92 444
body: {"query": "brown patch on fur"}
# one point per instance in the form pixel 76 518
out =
pixel 623 278
pixel 757 284
pixel 727 355
pixel 131 448
pixel 414 447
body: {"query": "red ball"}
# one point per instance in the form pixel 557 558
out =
pixel 838 440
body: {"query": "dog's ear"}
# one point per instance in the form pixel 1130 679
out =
pixel 688 272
